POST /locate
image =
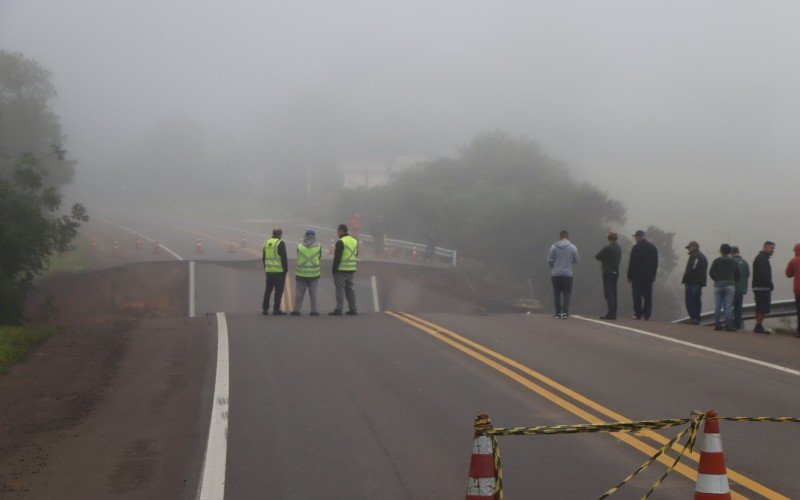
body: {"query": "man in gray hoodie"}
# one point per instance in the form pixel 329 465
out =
pixel 562 258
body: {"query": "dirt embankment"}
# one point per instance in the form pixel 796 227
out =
pixel 130 292
pixel 43 398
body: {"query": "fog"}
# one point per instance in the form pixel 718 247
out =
pixel 686 111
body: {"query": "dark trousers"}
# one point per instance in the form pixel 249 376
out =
pixel 694 300
pixel 642 289
pixel 275 281
pixel 562 289
pixel 797 307
pixel 738 301
pixel 610 293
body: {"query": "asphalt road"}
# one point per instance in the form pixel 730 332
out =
pixel 381 406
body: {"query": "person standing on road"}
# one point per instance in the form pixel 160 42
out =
pixel 276 265
pixel 642 270
pixel 725 273
pixel 344 267
pixel 694 279
pixel 610 257
pixel 762 285
pixel 793 271
pixel 309 256
pixel 563 256
pixel 741 287
pixel 379 230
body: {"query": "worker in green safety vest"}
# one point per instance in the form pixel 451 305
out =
pixel 276 266
pixel 309 255
pixel 344 267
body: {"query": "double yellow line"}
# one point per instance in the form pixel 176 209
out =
pixel 556 394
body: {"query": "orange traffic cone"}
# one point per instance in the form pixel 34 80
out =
pixel 93 244
pixel 712 476
pixel 199 247
pixel 482 482
pixel 156 247
pixel 243 242
pixel 232 246
pixel 115 250
pixel 138 243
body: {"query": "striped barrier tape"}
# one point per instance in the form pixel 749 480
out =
pixel 694 424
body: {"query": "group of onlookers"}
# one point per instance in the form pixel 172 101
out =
pixel 730 273
pixel 642 270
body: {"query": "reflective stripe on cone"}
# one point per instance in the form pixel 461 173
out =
pixel 712 476
pixel 482 480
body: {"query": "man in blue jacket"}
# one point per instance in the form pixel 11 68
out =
pixel 562 257
pixel 642 270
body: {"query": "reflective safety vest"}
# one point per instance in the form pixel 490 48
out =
pixel 308 261
pixel 349 253
pixel 272 261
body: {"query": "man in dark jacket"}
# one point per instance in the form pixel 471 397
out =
pixel 741 287
pixel 610 257
pixel 276 265
pixel 642 270
pixel 762 285
pixel 725 272
pixel 694 279
pixel 345 258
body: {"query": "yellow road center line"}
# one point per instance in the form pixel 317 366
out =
pixel 445 335
pixel 733 475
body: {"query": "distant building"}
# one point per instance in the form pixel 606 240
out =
pixel 374 170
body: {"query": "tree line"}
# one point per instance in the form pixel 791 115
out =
pixel 502 201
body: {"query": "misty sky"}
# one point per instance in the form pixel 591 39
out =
pixel 688 111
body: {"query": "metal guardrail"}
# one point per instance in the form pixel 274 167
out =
pixel 780 309
pixel 449 256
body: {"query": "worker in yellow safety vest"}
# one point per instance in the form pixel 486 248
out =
pixel 344 267
pixel 309 255
pixel 275 265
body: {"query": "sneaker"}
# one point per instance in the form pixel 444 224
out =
pixel 647 318
pixel 761 329
pixel 295 313
pixel 718 328
pixel 335 312
pixel 352 313
pixel 608 316
pixel 694 321
pixel 557 315
pixel 313 313
pixel 265 312
pixel 564 315
pixel 636 317
pixel 278 313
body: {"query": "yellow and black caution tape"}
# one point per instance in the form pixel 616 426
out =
pixel 694 425
pixel 580 428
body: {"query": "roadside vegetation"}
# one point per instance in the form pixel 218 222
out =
pixel 16 341
pixel 33 169
pixel 502 202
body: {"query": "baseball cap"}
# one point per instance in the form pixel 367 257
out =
pixel 639 232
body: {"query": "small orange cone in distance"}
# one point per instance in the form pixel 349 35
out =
pixel 482 479
pixel 199 247
pixel 712 476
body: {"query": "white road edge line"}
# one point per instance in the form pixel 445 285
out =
pixel 212 479
pixel 375 294
pixel 191 289
pixel 696 346
pixel 94 217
